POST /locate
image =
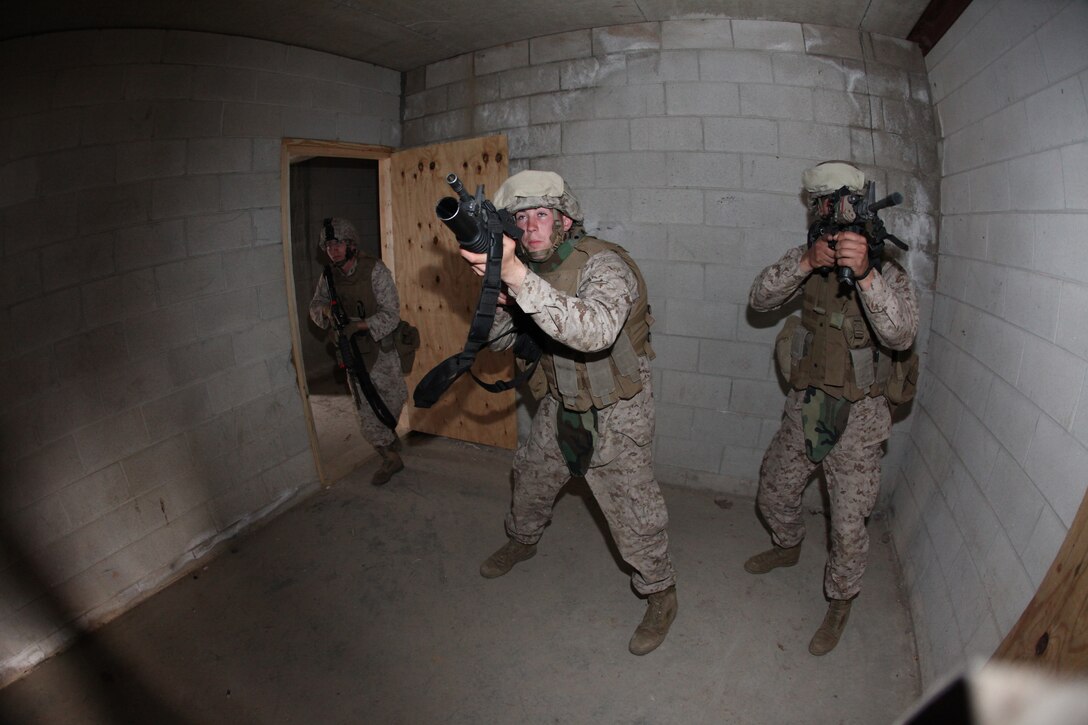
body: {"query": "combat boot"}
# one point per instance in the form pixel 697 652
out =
pixel 660 612
pixel 827 636
pixel 504 559
pixel 391 463
pixel 772 559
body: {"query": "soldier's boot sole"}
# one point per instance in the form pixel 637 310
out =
pixel 391 464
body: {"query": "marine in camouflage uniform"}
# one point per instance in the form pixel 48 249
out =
pixel 380 305
pixel 591 319
pixel 830 418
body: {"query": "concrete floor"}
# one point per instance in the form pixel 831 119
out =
pixel 364 605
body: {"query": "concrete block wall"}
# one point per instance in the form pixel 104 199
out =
pixel 685 141
pixel 148 403
pixel 995 470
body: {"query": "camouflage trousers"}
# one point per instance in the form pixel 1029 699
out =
pixel 389 382
pixel 624 488
pixel 852 470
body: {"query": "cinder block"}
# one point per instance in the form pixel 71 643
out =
pixel 238 385
pixel 426 102
pixel 694 318
pixel 1058 237
pixel 740 135
pixel 675 66
pixel 160 463
pixel 1057 116
pixel 280 89
pixel 150 160
pixel 116 298
pixel 536 140
pixel 754 397
pixel 609 70
pixel 1032 302
pixel 503 114
pixel 728 283
pixel 702 244
pixel 252 267
pixel 798 69
pixel 666 206
pixel 219 155
pixel 309 123
pixel 697 33
pixel 1007 584
pixel 44 472
pixel 735 359
pixel 158 81
pixel 188 118
pixel 272 300
pixel 754 210
pixel 666 134
pixel 99 349
pixel 472 92
pixel 160 329
pixel 217 83
pixel 1062 41
pixel 695 390
pixel 185 196
pixel 1046 540
pixel 673 280
pixel 628 101
pixel 189 278
pixel 88 86
pixel 49 318
pixel 177 412
pixel 687 454
pixel 1071 333
pixel 1048 374
pixel 262 341
pixel 95 496
pixel 560 46
pixel 251 120
pixel 833 41
pixel 79 168
pixel 219 232
pixel 200 359
pixel 1015 500
pixel 249 191
pixel 628 170
pixel 458 68
pixel 702 99
pixel 1075 175
pixel 79 260
pixel 529 81
pixel 1011 417
pixel 674 353
pixel 500 58
pixel 337 97
pixel 784 102
pixel 596 136
pixel 773 173
pixel 843 109
pixel 128 384
pixel 626 38
pixel 768 35
pixel 735 66
pixel 703 170
pixel 41 133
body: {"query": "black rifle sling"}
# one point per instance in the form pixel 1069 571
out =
pixel 443 375
pixel 353 359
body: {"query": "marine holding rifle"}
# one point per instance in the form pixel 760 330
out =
pixel 847 360
pixel 371 318
pixel 587 306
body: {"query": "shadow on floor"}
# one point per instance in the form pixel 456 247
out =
pixel 364 604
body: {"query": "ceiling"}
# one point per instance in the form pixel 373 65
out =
pixel 406 34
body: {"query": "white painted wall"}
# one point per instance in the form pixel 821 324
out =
pixel 148 404
pixel 997 462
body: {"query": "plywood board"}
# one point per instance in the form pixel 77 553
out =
pixel 438 291
pixel 1053 630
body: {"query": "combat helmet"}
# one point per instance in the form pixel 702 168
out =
pixel 534 189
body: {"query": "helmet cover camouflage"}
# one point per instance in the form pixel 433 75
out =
pixel 830 176
pixel 535 189
pixel 338 229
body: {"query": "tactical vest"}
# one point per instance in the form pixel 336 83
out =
pixel 833 348
pixel 581 380
pixel 359 288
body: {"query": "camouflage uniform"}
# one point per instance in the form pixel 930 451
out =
pixel 620 473
pixel 386 371
pixel 852 468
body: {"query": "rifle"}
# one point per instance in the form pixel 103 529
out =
pixel 351 359
pixel 859 216
pixel 479 228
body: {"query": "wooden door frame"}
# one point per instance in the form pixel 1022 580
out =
pixel 294 150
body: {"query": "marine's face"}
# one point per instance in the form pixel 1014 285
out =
pixel 337 250
pixel 540 233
